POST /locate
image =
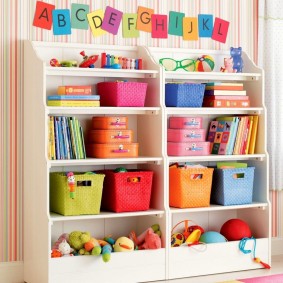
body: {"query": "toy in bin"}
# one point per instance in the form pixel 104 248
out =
pixel 190 235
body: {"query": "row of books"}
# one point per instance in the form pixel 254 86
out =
pixel 66 139
pixel 233 135
pixel 74 96
pixel 219 94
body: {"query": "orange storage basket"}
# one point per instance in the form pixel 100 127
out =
pixel 110 136
pixel 110 123
pixel 114 150
pixel 190 187
pixel 126 191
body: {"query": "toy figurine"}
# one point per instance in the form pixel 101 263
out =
pixel 88 61
pixel 236 54
pixel 71 184
pixel 66 63
pixel 228 66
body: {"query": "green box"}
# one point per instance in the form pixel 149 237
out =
pixel 87 197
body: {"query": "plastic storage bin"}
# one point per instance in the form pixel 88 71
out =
pixel 186 135
pixel 127 191
pixel 188 148
pixel 110 136
pixel 185 122
pixel 233 186
pixel 190 187
pixel 184 94
pixel 108 150
pixel 110 123
pixel 122 93
pixel 87 197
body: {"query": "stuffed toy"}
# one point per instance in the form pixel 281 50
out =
pixel 124 244
pixel 65 249
pixel 63 237
pixel 77 239
pixel 228 66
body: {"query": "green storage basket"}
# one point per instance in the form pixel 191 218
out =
pixel 88 194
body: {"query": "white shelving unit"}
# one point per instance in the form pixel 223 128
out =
pixel 220 257
pixel 149 123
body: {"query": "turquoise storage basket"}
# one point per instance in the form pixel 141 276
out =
pixel 232 186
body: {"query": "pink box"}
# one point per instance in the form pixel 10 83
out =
pixel 186 135
pixel 188 148
pixel 185 122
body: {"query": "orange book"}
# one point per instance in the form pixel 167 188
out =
pixel 226 103
pixel 74 90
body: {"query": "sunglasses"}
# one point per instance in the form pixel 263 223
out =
pixel 170 64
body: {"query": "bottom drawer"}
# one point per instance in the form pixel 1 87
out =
pixel 188 148
pixel 112 150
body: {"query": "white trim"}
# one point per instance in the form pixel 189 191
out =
pixel 12 272
pixel 277 246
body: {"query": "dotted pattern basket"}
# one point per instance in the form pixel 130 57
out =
pixel 184 95
pixel 122 93
pixel 190 187
pixel 88 194
pixel 233 186
pixel 127 191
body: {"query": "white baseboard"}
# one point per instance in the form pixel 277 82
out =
pixel 277 246
pixel 12 272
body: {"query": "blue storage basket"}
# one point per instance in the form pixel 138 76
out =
pixel 184 95
pixel 232 186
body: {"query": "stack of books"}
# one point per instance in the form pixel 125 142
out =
pixel 233 135
pixel 218 94
pixel 74 96
pixel 65 138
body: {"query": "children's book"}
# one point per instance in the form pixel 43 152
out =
pixel 225 92
pixel 226 97
pixel 240 134
pixel 74 97
pixel 233 131
pixel 240 103
pixel 226 165
pixel 74 90
pixel 251 149
pixel 74 103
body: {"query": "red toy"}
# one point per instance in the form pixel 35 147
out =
pixel 235 230
pixel 88 61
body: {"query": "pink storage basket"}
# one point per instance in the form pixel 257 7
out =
pixel 122 94
pixel 185 135
pixel 185 122
pixel 188 148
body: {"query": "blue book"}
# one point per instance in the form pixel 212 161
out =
pixel 74 97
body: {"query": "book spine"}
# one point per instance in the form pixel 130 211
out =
pixel 57 142
pixel 74 90
pixel 73 135
pixel 226 103
pixel 52 138
pixel 74 97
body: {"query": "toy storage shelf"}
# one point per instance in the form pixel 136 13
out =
pixel 43 227
pixel 187 262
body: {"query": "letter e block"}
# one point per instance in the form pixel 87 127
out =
pixel 112 20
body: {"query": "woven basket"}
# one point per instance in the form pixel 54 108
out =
pixel 122 93
pixel 184 95
pixel 190 187
pixel 88 193
pixel 233 186
pixel 127 191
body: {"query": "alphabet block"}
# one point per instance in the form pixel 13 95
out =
pixel 176 23
pixel 95 20
pixel 78 16
pixel 159 26
pixel 205 25
pixel 112 20
pixel 220 30
pixel 129 26
pixel 61 22
pixel 190 28
pixel 43 15
pixel 144 19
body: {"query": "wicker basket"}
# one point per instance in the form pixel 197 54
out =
pixel 122 93
pixel 127 191
pixel 233 186
pixel 88 193
pixel 190 187
pixel 184 95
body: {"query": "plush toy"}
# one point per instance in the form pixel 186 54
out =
pixel 93 246
pixel 124 244
pixel 151 241
pixel 63 237
pixel 55 253
pixel 77 239
pixel 228 66
pixel 106 250
pixel 236 54
pixel 65 249
pixel 147 239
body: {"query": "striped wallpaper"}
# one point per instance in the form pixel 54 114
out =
pixel 16 25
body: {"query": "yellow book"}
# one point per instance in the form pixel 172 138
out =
pixel 74 103
pixel 251 118
pixel 52 138
pixel 239 136
pixel 253 135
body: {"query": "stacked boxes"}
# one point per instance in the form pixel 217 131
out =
pixel 111 138
pixel 185 137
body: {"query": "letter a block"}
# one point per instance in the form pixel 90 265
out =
pixel 43 15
